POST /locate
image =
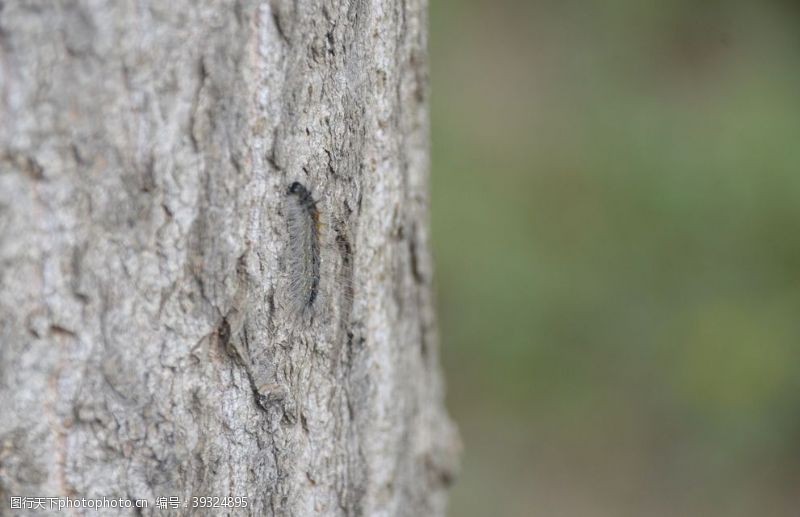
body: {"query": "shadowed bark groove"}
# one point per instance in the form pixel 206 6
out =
pixel 147 348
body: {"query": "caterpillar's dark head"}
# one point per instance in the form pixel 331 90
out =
pixel 297 188
pixel 302 193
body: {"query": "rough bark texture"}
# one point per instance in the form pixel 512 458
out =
pixel 147 346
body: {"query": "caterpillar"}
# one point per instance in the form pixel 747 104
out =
pixel 303 257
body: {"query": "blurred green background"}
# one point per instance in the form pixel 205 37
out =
pixel 616 217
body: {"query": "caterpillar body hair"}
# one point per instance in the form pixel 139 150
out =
pixel 303 252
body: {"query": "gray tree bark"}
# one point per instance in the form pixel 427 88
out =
pixel 147 347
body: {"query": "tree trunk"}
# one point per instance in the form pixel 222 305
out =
pixel 150 345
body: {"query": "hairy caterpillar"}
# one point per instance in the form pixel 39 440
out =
pixel 303 261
